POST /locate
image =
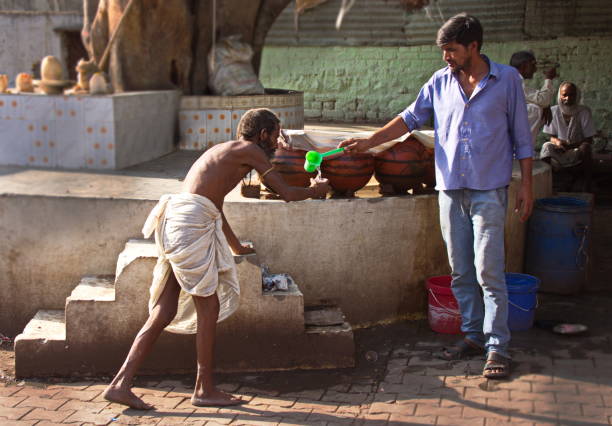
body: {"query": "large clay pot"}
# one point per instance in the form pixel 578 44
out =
pixel 290 164
pixel 348 173
pixel 430 169
pixel 406 165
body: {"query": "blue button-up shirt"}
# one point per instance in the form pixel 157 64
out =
pixel 476 138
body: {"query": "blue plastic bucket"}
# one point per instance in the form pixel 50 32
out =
pixel 522 300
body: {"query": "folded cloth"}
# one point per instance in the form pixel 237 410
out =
pixel 561 158
pixel 190 240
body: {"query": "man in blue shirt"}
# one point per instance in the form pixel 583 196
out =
pixel 480 123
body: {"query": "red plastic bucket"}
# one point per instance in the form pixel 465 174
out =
pixel 443 311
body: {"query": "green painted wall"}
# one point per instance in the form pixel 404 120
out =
pixel 372 84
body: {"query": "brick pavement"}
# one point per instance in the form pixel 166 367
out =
pixel 555 381
pixel 414 388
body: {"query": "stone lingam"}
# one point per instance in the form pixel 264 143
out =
pixel 406 165
pixel 52 80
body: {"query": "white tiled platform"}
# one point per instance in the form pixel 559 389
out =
pixel 205 121
pixel 86 132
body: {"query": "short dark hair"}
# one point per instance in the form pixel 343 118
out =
pixel 519 58
pixel 461 28
pixel 255 120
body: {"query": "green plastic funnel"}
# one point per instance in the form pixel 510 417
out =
pixel 314 159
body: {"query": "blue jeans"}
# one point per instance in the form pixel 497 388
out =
pixel 472 223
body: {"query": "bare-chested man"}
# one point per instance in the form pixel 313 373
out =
pixel 191 292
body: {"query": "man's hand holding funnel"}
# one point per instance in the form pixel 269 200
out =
pixel 354 145
pixel 320 187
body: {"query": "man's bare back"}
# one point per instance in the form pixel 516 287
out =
pixel 221 168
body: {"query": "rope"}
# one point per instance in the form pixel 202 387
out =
pixel 214 34
pixel 444 308
pixel 114 36
pixel 523 309
pixel 581 247
pixel 456 312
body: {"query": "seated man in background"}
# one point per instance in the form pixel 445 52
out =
pixel 571 133
pixel 538 101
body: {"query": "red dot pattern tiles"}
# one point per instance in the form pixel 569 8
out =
pixel 56 131
pixel 201 129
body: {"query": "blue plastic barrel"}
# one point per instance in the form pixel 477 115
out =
pixel 522 300
pixel 557 244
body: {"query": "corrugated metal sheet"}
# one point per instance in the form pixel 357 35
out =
pixel 593 17
pixel 42 5
pixel 555 18
pixel 385 23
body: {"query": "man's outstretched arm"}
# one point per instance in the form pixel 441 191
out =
pixel 392 130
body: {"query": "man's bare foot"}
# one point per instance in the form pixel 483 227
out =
pixel 216 398
pixel 125 397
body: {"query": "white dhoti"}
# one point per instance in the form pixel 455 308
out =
pixel 190 242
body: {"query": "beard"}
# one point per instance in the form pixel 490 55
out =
pixel 568 109
pixel 267 148
pixel 456 67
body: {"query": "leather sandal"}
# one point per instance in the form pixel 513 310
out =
pixel 463 349
pixel 496 366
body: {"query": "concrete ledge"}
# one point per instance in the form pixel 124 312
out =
pixel 370 256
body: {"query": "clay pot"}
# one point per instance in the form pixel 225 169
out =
pixel 430 169
pixel 348 173
pixel 406 165
pixel 290 164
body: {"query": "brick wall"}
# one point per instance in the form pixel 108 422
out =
pixel 372 84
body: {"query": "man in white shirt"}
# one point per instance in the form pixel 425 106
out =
pixel 571 132
pixel 538 101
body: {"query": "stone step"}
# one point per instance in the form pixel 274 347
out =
pixel 323 316
pixel 134 248
pixel 46 325
pixel 94 287
pixel 43 341
pixel 102 316
pixel 92 299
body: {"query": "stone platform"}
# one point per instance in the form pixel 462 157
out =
pixel 59 226
pixel 86 132
pixel 369 256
